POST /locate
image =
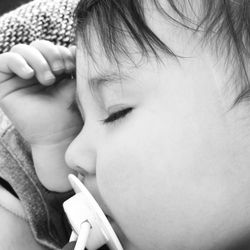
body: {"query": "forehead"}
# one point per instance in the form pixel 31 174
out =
pixel 98 65
pixel 177 40
pixel 129 34
pixel 93 60
pixel 94 74
pixel 89 65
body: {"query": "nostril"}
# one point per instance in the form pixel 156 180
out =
pixel 81 156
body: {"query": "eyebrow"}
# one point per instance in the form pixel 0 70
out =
pixel 95 83
pixel 106 79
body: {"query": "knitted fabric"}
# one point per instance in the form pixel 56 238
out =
pixel 40 19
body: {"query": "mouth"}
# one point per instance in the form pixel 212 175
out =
pixel 108 217
pixel 81 177
pixel 111 221
pixel 105 211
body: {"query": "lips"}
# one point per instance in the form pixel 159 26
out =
pixel 90 183
pixel 103 208
pixel 81 177
pixel 109 219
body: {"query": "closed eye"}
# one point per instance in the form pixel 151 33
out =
pixel 117 115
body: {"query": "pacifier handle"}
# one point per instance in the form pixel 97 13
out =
pixel 90 226
pixel 83 236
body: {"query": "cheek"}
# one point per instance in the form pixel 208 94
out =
pixel 126 184
pixel 150 177
pixel 137 180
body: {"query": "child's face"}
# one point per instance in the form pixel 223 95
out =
pixel 173 173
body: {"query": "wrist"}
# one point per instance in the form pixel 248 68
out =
pixel 50 165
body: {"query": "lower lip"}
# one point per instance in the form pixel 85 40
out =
pixel 109 218
pixel 112 223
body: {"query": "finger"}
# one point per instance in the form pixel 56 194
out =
pixel 7 88
pixel 12 63
pixel 68 58
pixel 37 62
pixel 72 49
pixel 52 54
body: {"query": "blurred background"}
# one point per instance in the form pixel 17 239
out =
pixel 7 5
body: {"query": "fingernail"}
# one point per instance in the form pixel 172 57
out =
pixel 57 66
pixel 49 78
pixel 70 66
pixel 27 70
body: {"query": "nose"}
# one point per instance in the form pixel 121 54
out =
pixel 81 154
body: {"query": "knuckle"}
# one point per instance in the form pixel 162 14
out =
pixel 9 55
pixel 72 49
pixel 42 66
pixel 14 57
pixel 35 43
pixel 39 42
pixel 64 50
pixel 66 54
pixel 47 48
pixel 18 47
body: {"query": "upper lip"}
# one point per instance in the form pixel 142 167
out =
pixel 81 177
pixel 81 171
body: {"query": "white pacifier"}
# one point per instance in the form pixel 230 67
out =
pixel 90 226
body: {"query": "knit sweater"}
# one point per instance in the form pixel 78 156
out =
pixel 40 19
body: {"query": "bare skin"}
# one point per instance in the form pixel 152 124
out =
pixel 36 92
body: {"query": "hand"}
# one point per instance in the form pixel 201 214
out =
pixel 36 94
pixel 34 100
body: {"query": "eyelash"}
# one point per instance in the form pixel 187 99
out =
pixel 110 119
pixel 117 115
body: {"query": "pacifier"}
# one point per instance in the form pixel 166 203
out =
pixel 91 228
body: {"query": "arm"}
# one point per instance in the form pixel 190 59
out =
pixel 36 97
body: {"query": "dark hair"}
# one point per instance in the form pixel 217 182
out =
pixel 224 23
